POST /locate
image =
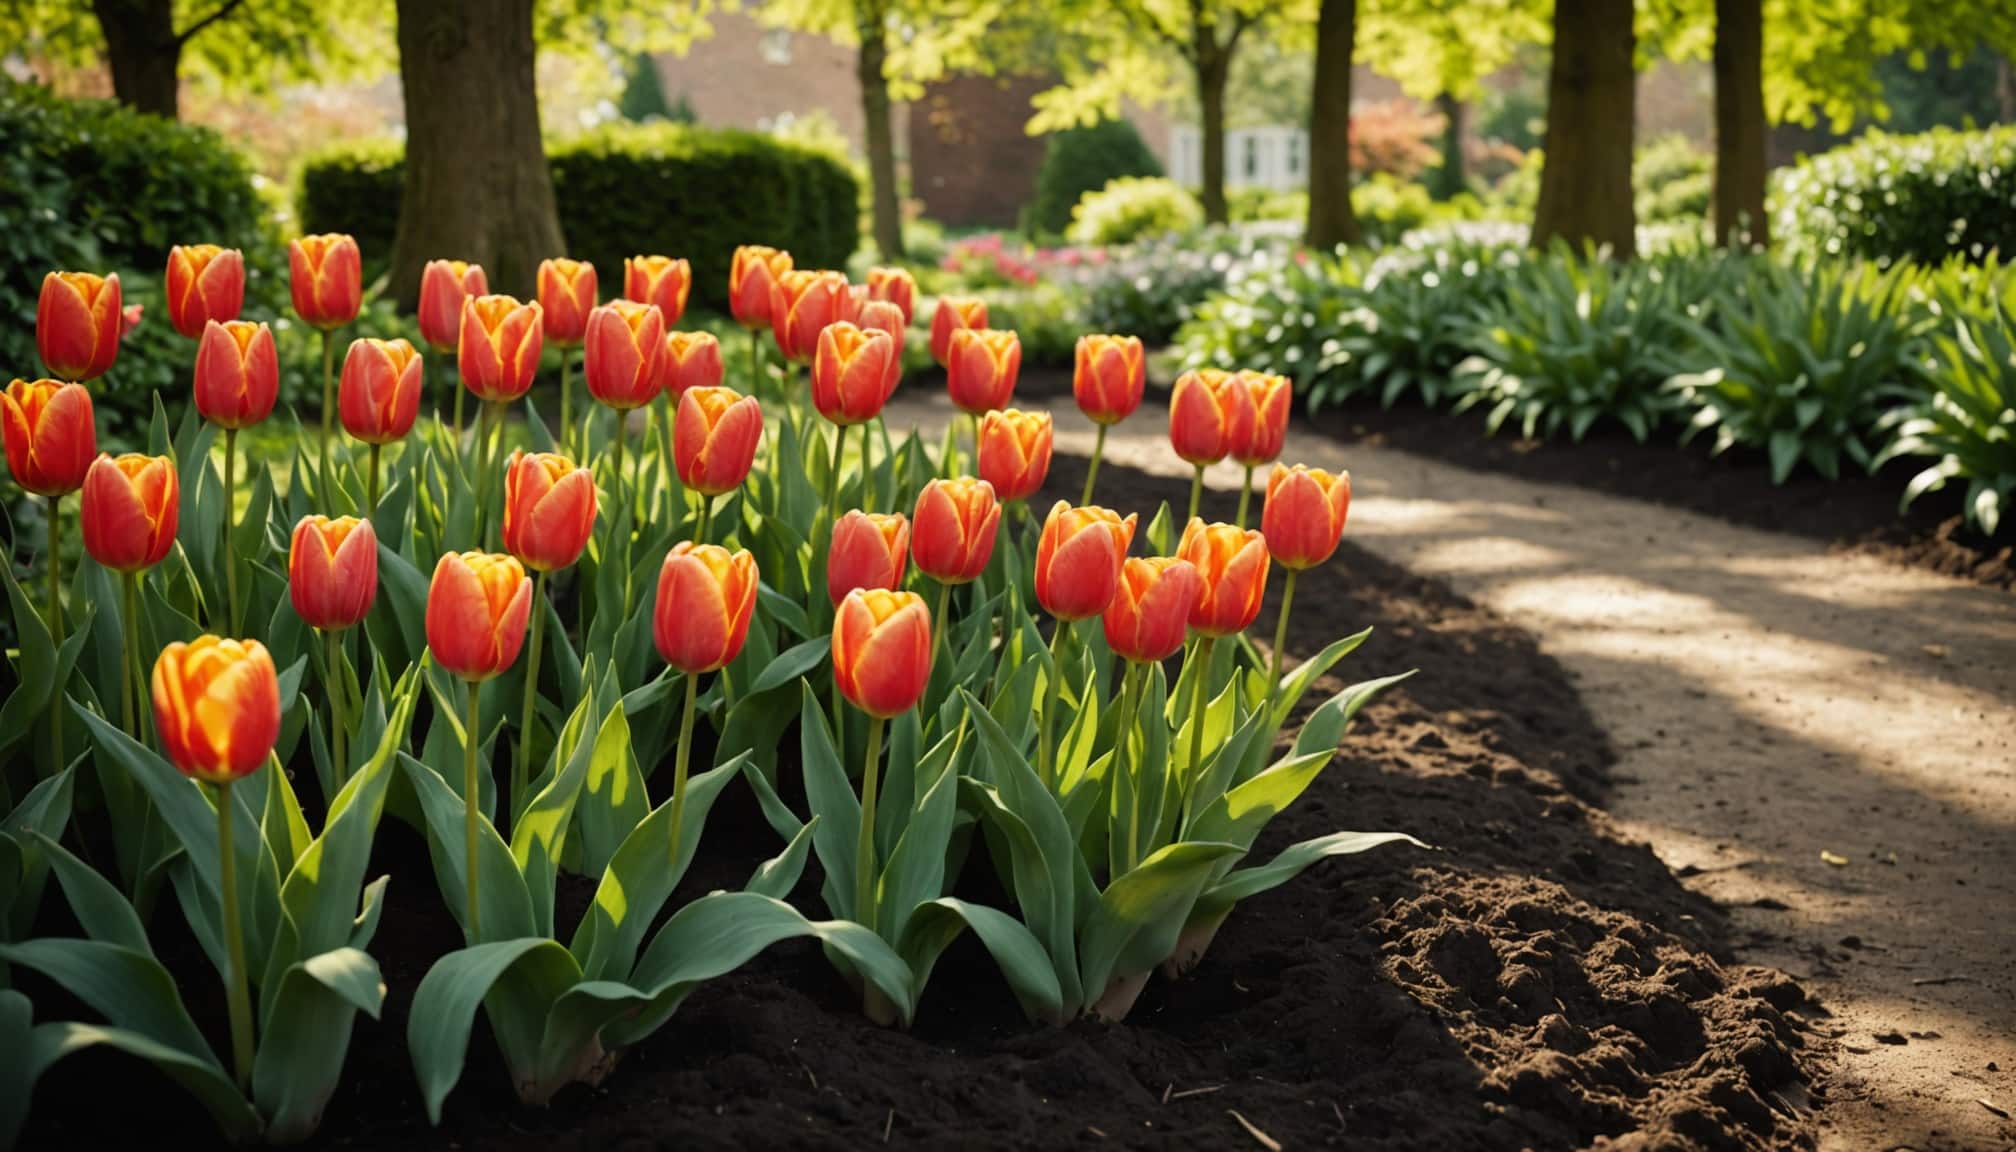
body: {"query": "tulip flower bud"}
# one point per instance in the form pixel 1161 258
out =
pixel 444 286
pixel 802 304
pixel 882 650
pixel 868 551
pixel 217 707
pixel 326 277
pixel 1108 377
pixel 851 373
pixel 691 360
pixel 78 324
pixel 237 374
pixel 625 342
pixel 498 347
pixel 1304 516
pixel 895 286
pixel 549 510
pixel 205 283
pixel 1078 560
pixel 1232 562
pixel 954 529
pixel 1205 413
pixel 1150 613
pixel 981 367
pixel 51 435
pixel 706 595
pixel 952 314
pixel 1262 423
pixel 129 319
pixel 714 439
pixel 477 607
pixel 332 571
pixel 131 506
pixel 566 297
pixel 378 396
pixel 659 280
pixel 1015 452
pixel 752 280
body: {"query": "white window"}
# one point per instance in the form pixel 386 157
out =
pixel 776 46
pixel 1295 146
pixel 1250 164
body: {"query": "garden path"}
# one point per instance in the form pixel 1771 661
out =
pixel 1822 742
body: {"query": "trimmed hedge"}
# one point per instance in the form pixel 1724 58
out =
pixel 1078 161
pixel 1887 198
pixel 626 189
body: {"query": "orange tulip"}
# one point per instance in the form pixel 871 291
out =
pixel 477 607
pixel 691 360
pixel 955 526
pixel 1150 613
pixel 802 304
pixel 567 296
pixel 1078 560
pixel 752 279
pixel 882 316
pixel 549 510
pixel 78 324
pixel 1262 423
pixel 379 395
pixel 882 650
pixel 1233 564
pixel 1108 377
pixel 332 571
pixel 131 505
pixel 981 367
pixel 237 374
pixel 706 595
pixel 868 551
pixel 715 439
pixel 1015 452
pixel 205 283
pixel 851 373
pixel 444 286
pixel 1304 516
pixel 498 346
pixel 659 280
pixel 625 342
pixel 326 276
pixel 1205 415
pixel 217 707
pixel 952 314
pixel 895 286
pixel 51 435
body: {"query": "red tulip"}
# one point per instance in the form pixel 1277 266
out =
pixel 981 367
pixel 882 650
pixel 131 507
pixel 1150 613
pixel 1015 452
pixel 659 280
pixel 237 374
pixel 882 316
pixel 1261 425
pixel 549 510
pixel 895 286
pixel 691 360
pixel 1233 564
pixel 566 296
pixel 1078 560
pixel 868 551
pixel 444 286
pixel 217 707
pixel 706 595
pixel 851 373
pixel 326 276
pixel 205 283
pixel 625 342
pixel 477 607
pixel 955 524
pixel 952 314
pixel 1109 376
pixel 714 441
pixel 499 345
pixel 752 280
pixel 379 395
pixel 51 435
pixel 1304 516
pixel 1206 416
pixel 802 304
pixel 78 323
pixel 332 571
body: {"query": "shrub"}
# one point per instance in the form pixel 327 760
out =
pixel 1388 208
pixel 1966 420
pixel 1043 316
pixel 1134 208
pixel 1285 315
pixel 1081 160
pixel 1888 198
pixel 354 187
pixel 1672 180
pixel 1150 289
pixel 1395 137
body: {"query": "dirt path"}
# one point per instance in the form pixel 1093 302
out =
pixel 1824 743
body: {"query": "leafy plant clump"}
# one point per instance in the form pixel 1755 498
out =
pixel 1966 420
pixel 1889 198
pixel 1134 208
pixel 1078 161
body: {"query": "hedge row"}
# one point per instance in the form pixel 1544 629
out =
pixel 1887 198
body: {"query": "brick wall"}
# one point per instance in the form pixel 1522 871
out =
pixel 972 163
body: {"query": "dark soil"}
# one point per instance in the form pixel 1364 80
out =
pixel 1534 982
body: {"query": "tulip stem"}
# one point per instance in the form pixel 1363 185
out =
pixel 129 674
pixel 56 629
pixel 470 814
pixel 371 486
pixel 1280 637
pixel 665 457
pixel 1123 754
pixel 643 471
pixel 1092 469
pixel 459 390
pixel 755 361
pixel 333 650
pixel 867 474
pixel 230 514
pixel 1245 497
pixel 938 626
pixel 521 768
pixel 234 942
pixel 680 763
pixel 328 416
pixel 864 857
pixel 1200 698
pixel 706 517
pixel 567 402
pixel 1196 493
pixel 1046 756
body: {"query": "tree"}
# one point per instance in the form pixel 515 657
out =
pixel 643 95
pixel 1739 123
pixel 1331 220
pixel 1592 84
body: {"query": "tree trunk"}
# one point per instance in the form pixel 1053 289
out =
pixel 1739 122
pixel 1585 180
pixel 477 186
pixel 143 52
pixel 1213 66
pixel 1331 221
pixel 888 210
pixel 1449 181
pixel 2005 89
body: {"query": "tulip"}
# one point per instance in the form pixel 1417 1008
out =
pixel 1078 561
pixel 895 286
pixel 881 664
pixel 714 440
pixel 868 551
pixel 1260 427
pixel 498 357
pixel 217 707
pixel 549 510
pixel 691 360
pixel 129 319
pixel 802 304
pixel 1145 624
pixel 706 595
pixel 567 294
pixel 332 578
pixel 1015 452
pixel 205 283
pixel 326 277
pixel 1205 414
pixel 980 369
pixel 78 324
pixel 1302 520
pixel 1232 565
pixel 626 340
pixel 51 435
pixel 751 279
pixel 659 280
pixel 444 286
pixel 954 528
pixel 1107 380
pixel 131 503
pixel 851 373
pixel 952 314
pixel 379 397
pixel 237 374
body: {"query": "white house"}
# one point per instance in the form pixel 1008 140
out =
pixel 1271 157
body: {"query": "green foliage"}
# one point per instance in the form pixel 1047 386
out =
pixel 1251 204
pixel 1149 289
pixel 1281 314
pixel 1966 420
pixel 643 97
pixel 1134 208
pixel 1389 207
pixel 1888 198
pixel 1044 315
pixel 1078 161
pixel 1671 179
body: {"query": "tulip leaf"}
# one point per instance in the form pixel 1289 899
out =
pixel 29 701
pixel 776 813
pixel 1074 756
pixel 777 876
pixel 1241 883
pixel 791 664
pixel 281 822
pixel 103 913
pixel 613 801
pixel 1237 816
pixel 1016 951
pixel 306 1034
pixel 129 989
pixel 1294 684
pixel 518 980
pixel 1139 916
pixel 37 821
pixel 831 798
pixel 17 1079
pixel 539 838
pixel 398 621
pixel 1325 727
pixel 506 905
pixel 914 870
pixel 202 1078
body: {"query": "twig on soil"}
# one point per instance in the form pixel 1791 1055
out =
pixel 1266 1141
pixel 1927 981
pixel 1340 1114
pixel 1194 1092
pixel 1991 1106
pixel 1094 1130
pixel 809 1075
pixel 888 1124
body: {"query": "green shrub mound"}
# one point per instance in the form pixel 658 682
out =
pixel 1966 419
pixel 1134 208
pixel 1081 160
pixel 1150 289
pixel 625 189
pixel 1888 198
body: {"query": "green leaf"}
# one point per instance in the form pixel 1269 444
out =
pixel 1140 915
pixel 17 1079
pixel 306 1034
pixel 505 903
pixel 130 989
pixel 29 701
pixel 203 1079
pixel 1241 883
pixel 1296 683
pixel 1325 727
pixel 518 980
pixel 614 801
pixel 101 911
pixel 791 664
pixel 915 869
pixel 832 800
pixel 1238 815
pixel 777 876
pixel 1016 951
